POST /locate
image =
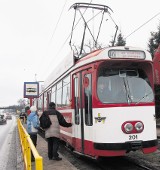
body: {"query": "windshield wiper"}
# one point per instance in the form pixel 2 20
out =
pixel 144 97
pixel 129 100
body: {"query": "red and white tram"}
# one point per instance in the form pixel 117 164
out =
pixel 108 96
pixel 112 123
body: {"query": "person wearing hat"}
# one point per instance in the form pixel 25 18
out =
pixel 27 110
pixel 52 134
pixel 32 126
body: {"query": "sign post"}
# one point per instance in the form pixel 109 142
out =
pixel 31 91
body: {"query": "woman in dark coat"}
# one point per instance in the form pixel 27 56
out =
pixel 52 134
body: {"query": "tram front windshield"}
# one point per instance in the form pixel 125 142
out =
pixel 123 86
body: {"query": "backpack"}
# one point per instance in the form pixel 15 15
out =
pixel 45 121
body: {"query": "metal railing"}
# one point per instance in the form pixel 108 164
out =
pixel 28 146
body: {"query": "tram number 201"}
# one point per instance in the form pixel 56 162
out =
pixel 133 137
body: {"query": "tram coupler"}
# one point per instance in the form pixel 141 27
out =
pixel 133 146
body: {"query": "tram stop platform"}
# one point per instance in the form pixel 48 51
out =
pixel 42 149
pixel 64 164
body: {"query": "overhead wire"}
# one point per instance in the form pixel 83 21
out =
pixel 68 35
pixel 79 21
pixel 142 25
pixel 58 21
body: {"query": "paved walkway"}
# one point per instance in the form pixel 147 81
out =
pixel 41 147
pixel 51 164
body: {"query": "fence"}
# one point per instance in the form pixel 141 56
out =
pixel 28 146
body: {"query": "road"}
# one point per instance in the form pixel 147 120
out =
pixel 7 145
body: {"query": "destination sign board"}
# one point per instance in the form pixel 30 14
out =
pixel 31 89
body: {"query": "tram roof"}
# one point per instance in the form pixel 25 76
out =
pixel 69 64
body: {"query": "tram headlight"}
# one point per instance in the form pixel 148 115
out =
pixel 139 126
pixel 128 127
pixel 135 126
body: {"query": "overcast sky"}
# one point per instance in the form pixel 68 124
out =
pixel 32 34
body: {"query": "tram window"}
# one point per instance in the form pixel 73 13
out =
pixel 88 101
pixel 48 98
pixel 45 100
pixel 53 95
pixel 59 94
pixel 40 103
pixel 140 88
pixel 124 86
pixel 66 91
pixel 76 103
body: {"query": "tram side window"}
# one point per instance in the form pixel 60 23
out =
pixel 59 94
pixel 76 103
pixel 53 94
pixel 45 100
pixel 40 104
pixel 66 91
pixel 88 100
pixel 49 98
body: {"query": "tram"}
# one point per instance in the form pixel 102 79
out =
pixel 156 67
pixel 108 96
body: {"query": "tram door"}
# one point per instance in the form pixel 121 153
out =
pixel 82 106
